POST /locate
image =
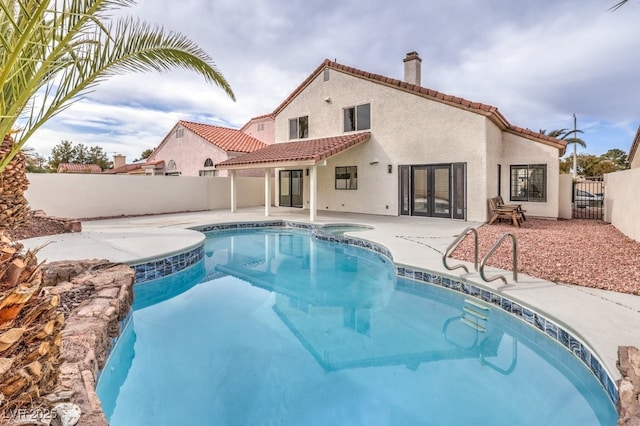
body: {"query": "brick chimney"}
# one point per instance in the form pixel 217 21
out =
pixel 412 68
pixel 119 161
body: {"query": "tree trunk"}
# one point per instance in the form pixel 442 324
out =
pixel 14 208
pixel 30 329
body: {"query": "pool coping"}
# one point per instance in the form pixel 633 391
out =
pixel 546 324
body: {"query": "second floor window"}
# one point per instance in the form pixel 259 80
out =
pixel 357 118
pixel 179 132
pixel 299 127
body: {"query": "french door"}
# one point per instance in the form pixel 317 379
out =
pixel 290 182
pixel 433 190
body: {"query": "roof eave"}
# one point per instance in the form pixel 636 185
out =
pixel 269 165
pixel 634 146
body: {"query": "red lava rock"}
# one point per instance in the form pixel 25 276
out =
pixel 583 252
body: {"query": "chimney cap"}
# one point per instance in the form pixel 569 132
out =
pixel 411 56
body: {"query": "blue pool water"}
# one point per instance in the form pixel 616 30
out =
pixel 275 327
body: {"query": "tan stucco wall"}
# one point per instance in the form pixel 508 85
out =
pixel 521 151
pixel 621 201
pixel 189 152
pixel 635 161
pixel 81 196
pixel 494 158
pixel 564 196
pixel 266 135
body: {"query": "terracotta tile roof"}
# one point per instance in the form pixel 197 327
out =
pixel 310 151
pixel 634 146
pixel 487 110
pixel 224 138
pixel 78 168
pixel 128 168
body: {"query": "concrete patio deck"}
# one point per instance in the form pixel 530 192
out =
pixel 603 319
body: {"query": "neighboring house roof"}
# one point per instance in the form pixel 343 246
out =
pixel 230 140
pixel 487 110
pixel 78 168
pixel 127 168
pixel 263 117
pixel 634 146
pixel 309 151
pixel 131 168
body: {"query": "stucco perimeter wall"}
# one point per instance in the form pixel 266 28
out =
pixel 518 150
pixel 621 201
pixel 406 130
pixel 84 196
pixel 564 196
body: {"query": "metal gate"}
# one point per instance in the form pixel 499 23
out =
pixel 588 199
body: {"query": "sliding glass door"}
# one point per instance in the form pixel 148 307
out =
pixel 290 182
pixel 433 190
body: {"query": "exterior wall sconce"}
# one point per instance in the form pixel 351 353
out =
pixel 390 168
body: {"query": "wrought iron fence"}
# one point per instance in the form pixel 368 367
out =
pixel 587 197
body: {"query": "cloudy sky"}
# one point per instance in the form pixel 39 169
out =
pixel 538 61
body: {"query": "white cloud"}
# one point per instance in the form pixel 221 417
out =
pixel 538 62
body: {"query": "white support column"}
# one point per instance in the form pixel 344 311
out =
pixel 276 179
pixel 313 192
pixel 267 191
pixel 233 191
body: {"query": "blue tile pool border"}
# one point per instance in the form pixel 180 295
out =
pixel 163 267
pixel 545 325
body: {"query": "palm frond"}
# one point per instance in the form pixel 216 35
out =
pixel 576 141
pixel 618 5
pixel 54 53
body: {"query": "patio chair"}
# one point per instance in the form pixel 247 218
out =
pixel 499 212
pixel 518 206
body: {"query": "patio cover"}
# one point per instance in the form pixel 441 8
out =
pixel 307 153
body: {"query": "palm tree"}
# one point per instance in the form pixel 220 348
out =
pixel 563 134
pixel 618 5
pixel 53 52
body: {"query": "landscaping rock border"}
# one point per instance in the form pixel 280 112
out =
pixel 629 386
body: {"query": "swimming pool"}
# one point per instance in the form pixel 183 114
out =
pixel 277 327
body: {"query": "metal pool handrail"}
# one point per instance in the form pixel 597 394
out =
pixel 493 249
pixel 455 244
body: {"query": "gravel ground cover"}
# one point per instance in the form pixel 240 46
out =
pixel 589 253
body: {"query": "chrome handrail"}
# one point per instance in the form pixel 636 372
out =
pixel 493 249
pixel 455 244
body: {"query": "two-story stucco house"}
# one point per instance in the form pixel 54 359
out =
pixel 193 149
pixel 352 141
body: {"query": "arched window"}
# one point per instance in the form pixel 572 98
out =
pixel 208 162
pixel 171 165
